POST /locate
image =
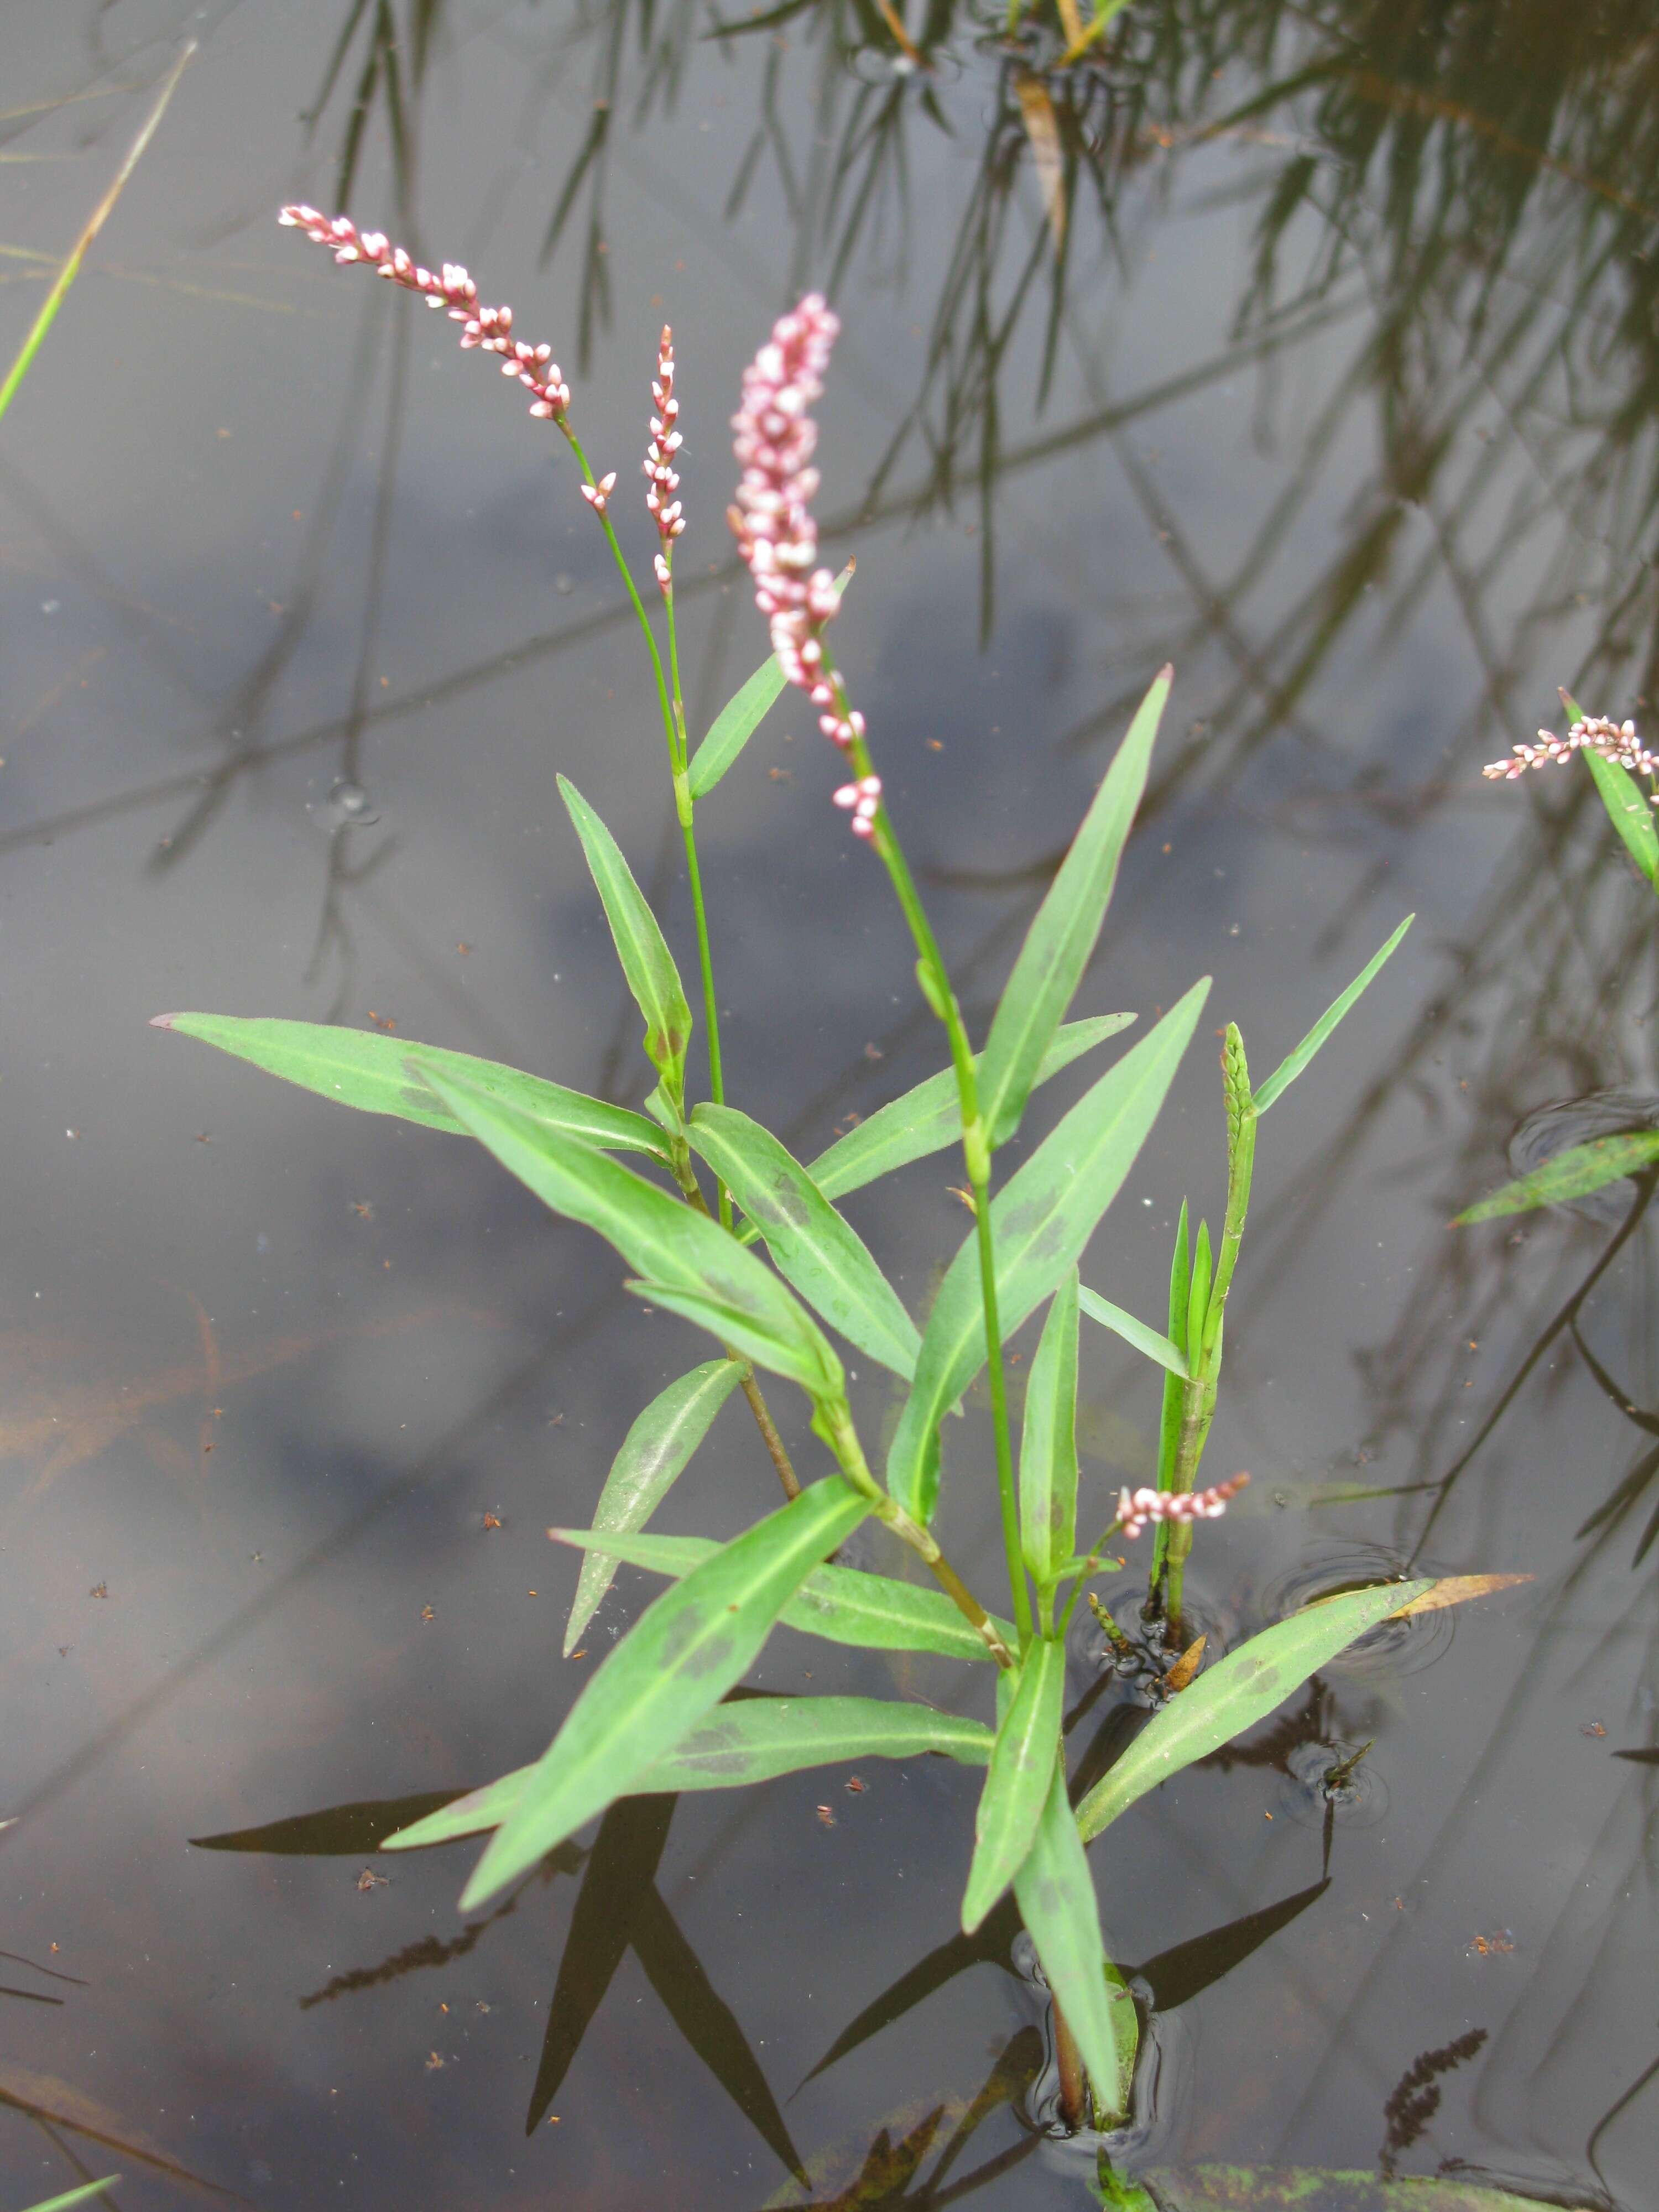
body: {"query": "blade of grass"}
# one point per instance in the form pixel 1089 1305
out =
pixel 1292 1064
pixel 1138 1333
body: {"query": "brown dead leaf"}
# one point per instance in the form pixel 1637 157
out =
pixel 1036 112
pixel 42 2097
pixel 1454 1589
pixel 1187 1666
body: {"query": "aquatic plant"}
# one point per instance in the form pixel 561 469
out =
pixel 654 1717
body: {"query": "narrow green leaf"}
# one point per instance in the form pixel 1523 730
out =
pixel 1292 1064
pixel 1630 812
pixel 77 2195
pixel 653 1453
pixel 1168 1435
pixel 843 1605
pixel 681 1657
pixel 1048 1444
pixel 1019 1779
pixel 668 1242
pixel 1138 1333
pixel 1041 1221
pixel 1573 1173
pixel 1065 927
pixel 1308 2188
pixel 1056 1898
pixel 928 1118
pixel 823 1257
pixel 755 1741
pixel 1198 1298
pixel 645 959
pixel 365 1069
pixel 740 717
pixel 762 1339
pixel 1240 1689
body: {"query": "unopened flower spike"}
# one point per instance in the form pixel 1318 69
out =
pixel 1135 1508
pixel 666 512
pixel 777 536
pixel 1593 734
pixel 489 329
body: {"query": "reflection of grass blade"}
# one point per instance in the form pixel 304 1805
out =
pixel 708 2023
pixel 988 1947
pixel 1182 1972
pixel 339 1832
pixel 42 2097
pixel 71 268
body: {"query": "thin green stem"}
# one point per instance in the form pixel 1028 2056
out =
pixel 935 979
pixel 685 807
pixel 674 761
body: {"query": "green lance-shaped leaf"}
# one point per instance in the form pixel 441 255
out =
pixel 929 1118
pixel 1198 1297
pixel 671 1243
pixel 645 959
pixel 77 2195
pixel 653 1453
pixel 683 1655
pixel 366 1069
pixel 823 1257
pixel 1572 1174
pixel 1056 1898
pixel 1041 1221
pixel 1017 1784
pixel 755 1741
pixel 1048 1444
pixel 1240 1166
pixel 1138 1333
pixel 741 716
pixel 1293 1063
pixel 1240 1689
pixel 1629 809
pixel 843 1605
pixel 784 1350
pixel 1169 1434
pixel 1064 929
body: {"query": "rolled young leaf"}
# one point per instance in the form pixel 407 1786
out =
pixel 1047 1446
pixel 1240 1689
pixel 815 1249
pixel 843 1605
pixel 741 716
pixel 1018 1783
pixel 1571 1174
pixel 1137 1333
pixel 653 1453
pixel 1293 1063
pixel 1056 1898
pixel 1064 929
pixel 929 1118
pixel 683 1655
pixel 1041 1220
pixel 367 1069
pixel 666 1241
pixel 645 959
pixel 755 1741
pixel 1169 1433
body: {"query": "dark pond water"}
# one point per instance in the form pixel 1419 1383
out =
pixel 1341 398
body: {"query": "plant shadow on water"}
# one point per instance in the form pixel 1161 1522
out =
pixel 1475 215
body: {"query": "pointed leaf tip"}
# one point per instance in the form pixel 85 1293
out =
pixel 162 1021
pixel 1166 674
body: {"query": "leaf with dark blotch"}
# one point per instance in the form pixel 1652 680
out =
pixel 1303 2189
pixel 339 1832
pixel 707 2022
pixel 989 1945
pixel 1571 1174
pixel 621 1870
pixel 686 1650
pixel 1191 1967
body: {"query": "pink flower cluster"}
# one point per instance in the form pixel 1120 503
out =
pixel 490 328
pixel 666 512
pixel 1137 1507
pixel 1595 733
pixel 772 520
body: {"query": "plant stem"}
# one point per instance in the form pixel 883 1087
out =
pixel 1073 2082
pixel 685 807
pixel 935 979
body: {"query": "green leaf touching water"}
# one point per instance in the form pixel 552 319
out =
pixel 1240 1689
pixel 683 1654
pixel 1571 1174
pixel 1019 1780
pixel 669 1243
pixel 755 1741
pixel 1055 1893
pixel 1292 1064
pixel 843 1605
pixel 653 1453
pixel 1048 1444
pixel 645 959
pixel 741 716
pixel 929 1118
pixel 1064 929
pixel 1137 1333
pixel 814 1247
pixel 366 1069
pixel 1319 2189
pixel 1041 1221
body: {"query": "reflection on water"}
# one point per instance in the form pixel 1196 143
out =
pixel 1312 349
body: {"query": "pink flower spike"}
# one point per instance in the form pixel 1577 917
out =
pixel 1136 1507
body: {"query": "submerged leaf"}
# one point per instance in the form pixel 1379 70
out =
pixel 1456 1589
pixel 653 1453
pixel 1571 1174
pixel 678 1661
